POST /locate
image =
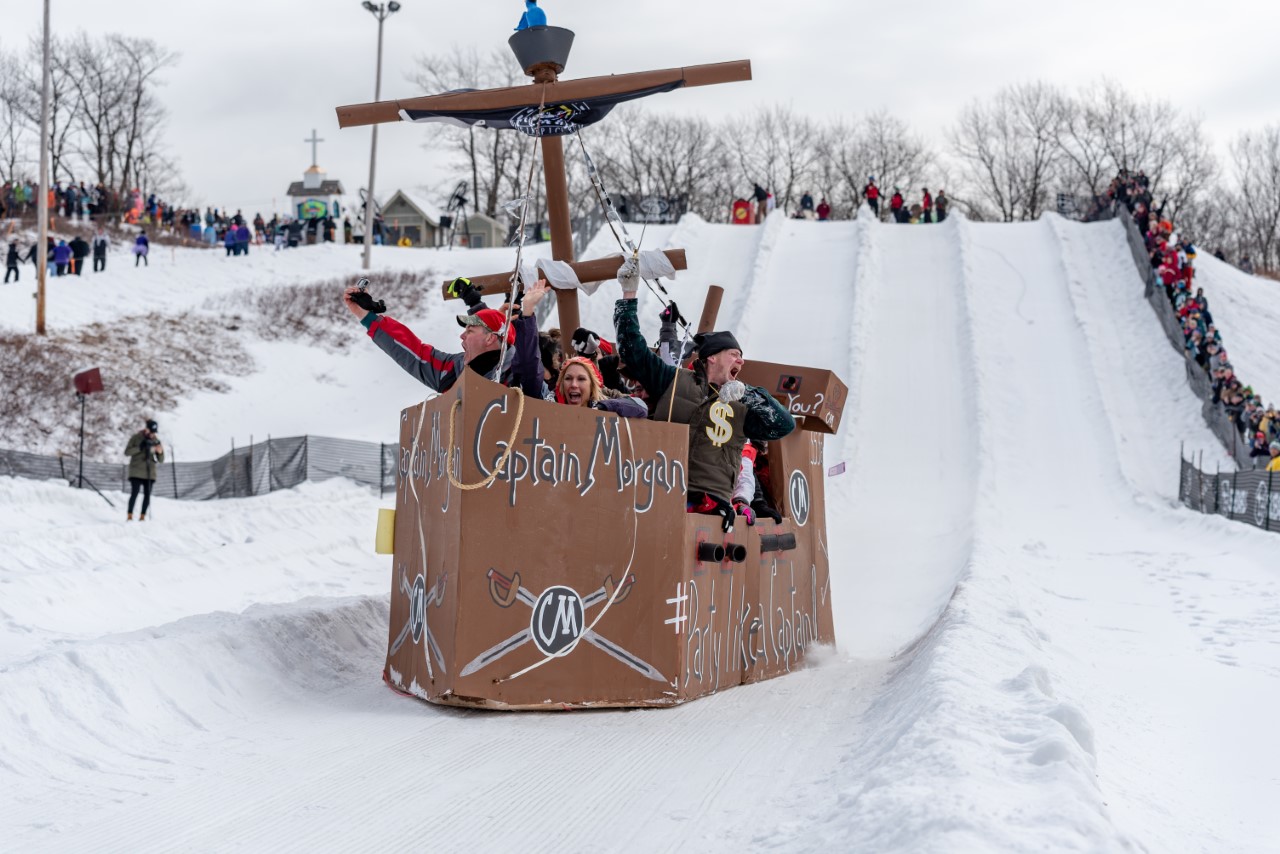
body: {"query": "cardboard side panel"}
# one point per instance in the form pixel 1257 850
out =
pixel 791 574
pixel 705 610
pixel 571 579
pixel 428 554
pixel 568 555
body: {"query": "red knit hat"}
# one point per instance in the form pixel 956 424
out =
pixel 495 320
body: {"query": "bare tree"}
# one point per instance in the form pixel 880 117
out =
pixel 61 102
pixel 1087 166
pixel 1186 167
pixel 640 153
pixel 851 151
pixel 142 114
pixel 493 159
pixel 777 149
pixel 1256 157
pixel 1131 131
pixel 1009 151
pixel 98 76
pixel 1214 222
pixel 16 133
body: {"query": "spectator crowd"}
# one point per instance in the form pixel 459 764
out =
pixel 1172 257
pixel 928 209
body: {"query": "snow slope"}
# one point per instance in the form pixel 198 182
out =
pixel 1039 649
pixel 1246 309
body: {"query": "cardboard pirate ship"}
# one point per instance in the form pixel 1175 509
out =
pixel 543 555
pixel 575 578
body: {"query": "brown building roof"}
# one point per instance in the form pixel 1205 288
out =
pixel 326 188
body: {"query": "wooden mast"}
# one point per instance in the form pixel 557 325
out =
pixel 548 89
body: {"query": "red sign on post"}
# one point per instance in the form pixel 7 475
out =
pixel 88 381
pixel 741 212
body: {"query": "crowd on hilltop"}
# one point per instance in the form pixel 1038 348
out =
pixel 1172 258
pixel 930 208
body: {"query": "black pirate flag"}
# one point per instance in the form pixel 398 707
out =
pixel 555 119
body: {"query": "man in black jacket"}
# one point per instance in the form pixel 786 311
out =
pixel 79 252
pixel 11 261
pixel 100 244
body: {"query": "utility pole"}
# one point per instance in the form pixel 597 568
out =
pixel 42 203
pixel 381 12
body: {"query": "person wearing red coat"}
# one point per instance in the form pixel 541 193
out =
pixel 824 211
pixel 926 206
pixel 872 194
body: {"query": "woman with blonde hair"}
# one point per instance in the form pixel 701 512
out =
pixel 579 384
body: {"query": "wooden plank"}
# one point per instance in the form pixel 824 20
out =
pixel 378 112
pixel 596 270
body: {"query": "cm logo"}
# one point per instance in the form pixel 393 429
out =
pixel 556 622
pixel 798 490
pixel 418 607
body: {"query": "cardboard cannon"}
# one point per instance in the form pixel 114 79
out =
pixel 544 559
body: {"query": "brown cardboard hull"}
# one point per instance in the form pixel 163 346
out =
pixel 572 580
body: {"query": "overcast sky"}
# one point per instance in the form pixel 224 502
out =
pixel 255 78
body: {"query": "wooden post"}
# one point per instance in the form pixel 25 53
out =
pixel 710 309
pixel 561 228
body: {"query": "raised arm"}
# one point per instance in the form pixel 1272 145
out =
pixel 435 369
pixel 643 365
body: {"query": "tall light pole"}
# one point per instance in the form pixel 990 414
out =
pixel 381 11
pixel 42 202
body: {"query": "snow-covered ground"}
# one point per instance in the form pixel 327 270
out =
pixel 1246 309
pixel 1039 649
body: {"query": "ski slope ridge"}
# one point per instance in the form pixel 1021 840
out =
pixel 1038 647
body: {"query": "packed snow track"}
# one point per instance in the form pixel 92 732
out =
pixel 1039 649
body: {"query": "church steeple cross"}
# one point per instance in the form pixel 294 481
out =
pixel 314 140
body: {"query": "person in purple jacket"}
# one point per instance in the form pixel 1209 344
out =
pixel 141 246
pixel 61 258
pixel 243 238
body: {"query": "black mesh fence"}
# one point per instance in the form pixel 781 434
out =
pixel 252 470
pixel 1252 497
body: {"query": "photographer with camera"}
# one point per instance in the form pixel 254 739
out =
pixel 483 330
pixel 144 452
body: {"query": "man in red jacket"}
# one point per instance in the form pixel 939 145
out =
pixel 872 194
pixel 824 211
pixel 482 334
pixel 895 205
pixel 926 207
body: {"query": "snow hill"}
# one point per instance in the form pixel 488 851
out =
pixel 1038 647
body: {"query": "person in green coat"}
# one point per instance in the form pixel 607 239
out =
pixel 144 452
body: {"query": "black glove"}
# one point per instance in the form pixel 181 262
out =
pixel 586 342
pixel 671 314
pixel 727 516
pixel 462 288
pixel 763 508
pixel 366 301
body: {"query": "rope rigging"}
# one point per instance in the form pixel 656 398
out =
pixel 628 245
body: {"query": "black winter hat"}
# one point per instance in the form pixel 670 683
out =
pixel 152 426
pixel 710 343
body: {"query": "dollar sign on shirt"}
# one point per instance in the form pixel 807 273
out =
pixel 722 432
